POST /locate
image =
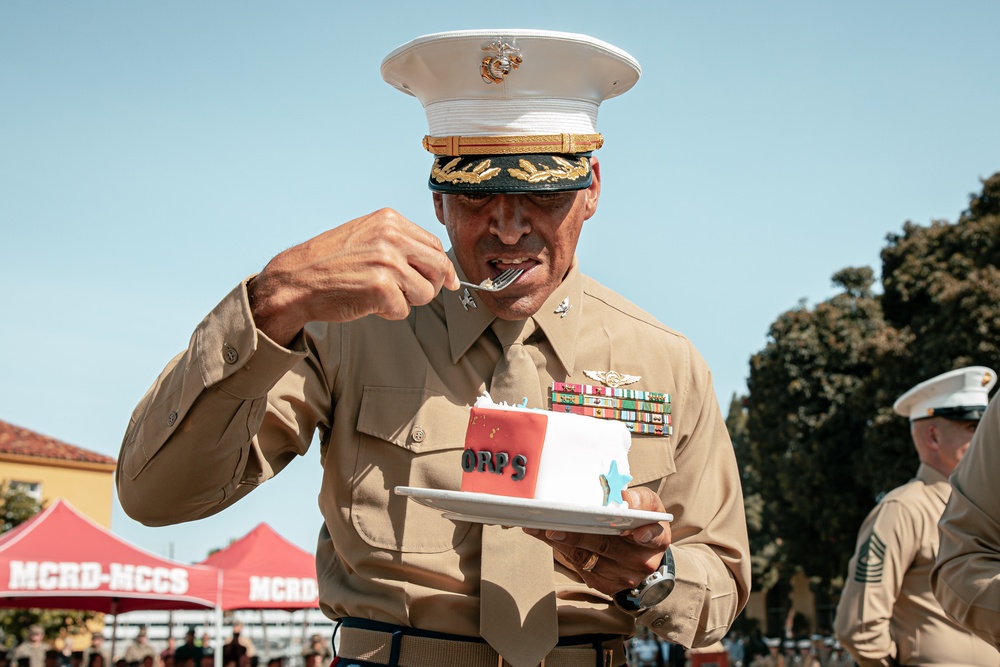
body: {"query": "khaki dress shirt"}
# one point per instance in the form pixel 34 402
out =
pixel 390 402
pixel 769 660
pixel 887 614
pixel 966 576
pixel 34 652
pixel 90 650
pixel 136 652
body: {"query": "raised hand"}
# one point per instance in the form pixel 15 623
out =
pixel 379 264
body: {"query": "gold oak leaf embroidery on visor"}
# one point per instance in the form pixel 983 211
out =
pixel 477 174
pixel 569 172
pixel 871 561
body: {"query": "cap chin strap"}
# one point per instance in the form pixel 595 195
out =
pixel 564 144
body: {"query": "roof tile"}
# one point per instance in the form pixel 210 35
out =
pixel 25 442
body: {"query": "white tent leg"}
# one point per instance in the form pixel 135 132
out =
pixel 218 636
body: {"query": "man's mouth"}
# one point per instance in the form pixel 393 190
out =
pixel 504 264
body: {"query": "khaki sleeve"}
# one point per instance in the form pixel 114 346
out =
pixel 966 574
pixel 709 534
pixel 192 446
pixel 887 544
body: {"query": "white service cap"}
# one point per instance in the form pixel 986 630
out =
pixel 961 394
pixel 510 110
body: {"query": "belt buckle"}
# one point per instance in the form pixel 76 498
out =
pixel 608 657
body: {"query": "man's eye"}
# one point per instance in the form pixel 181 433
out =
pixel 474 196
pixel 549 197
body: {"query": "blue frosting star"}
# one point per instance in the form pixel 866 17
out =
pixel 616 483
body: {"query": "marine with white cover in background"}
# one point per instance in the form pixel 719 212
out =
pixel 887 613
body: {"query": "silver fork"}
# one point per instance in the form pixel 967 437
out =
pixel 496 284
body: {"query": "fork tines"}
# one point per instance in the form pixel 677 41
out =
pixel 506 278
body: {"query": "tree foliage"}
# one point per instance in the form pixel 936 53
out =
pixel 806 418
pixel 16 506
pixel 762 544
pixel 820 442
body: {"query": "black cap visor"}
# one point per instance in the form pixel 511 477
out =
pixel 961 413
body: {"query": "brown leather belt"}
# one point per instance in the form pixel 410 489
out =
pixel 415 651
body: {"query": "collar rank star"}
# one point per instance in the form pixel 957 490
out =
pixel 467 300
pixel 562 308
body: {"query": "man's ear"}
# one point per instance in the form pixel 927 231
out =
pixel 594 191
pixel 439 206
pixel 933 437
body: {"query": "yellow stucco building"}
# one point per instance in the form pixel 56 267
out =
pixel 47 469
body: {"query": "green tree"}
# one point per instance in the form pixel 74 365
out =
pixel 824 442
pixel 941 287
pixel 762 544
pixel 942 283
pixel 16 506
pixel 807 418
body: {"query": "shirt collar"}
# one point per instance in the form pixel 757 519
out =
pixel 935 481
pixel 559 317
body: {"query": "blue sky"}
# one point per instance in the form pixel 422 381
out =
pixel 154 154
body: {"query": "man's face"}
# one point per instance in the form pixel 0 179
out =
pixel 534 232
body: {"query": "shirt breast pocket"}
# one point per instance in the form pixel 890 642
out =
pixel 407 437
pixel 650 461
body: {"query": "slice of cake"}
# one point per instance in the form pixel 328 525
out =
pixel 543 455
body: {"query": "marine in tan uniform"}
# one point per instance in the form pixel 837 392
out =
pixel 140 648
pixel 966 574
pixel 774 657
pixel 839 657
pixel 351 334
pixel 806 655
pixel 33 648
pixel 96 648
pixel 887 614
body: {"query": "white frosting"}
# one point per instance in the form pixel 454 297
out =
pixel 576 452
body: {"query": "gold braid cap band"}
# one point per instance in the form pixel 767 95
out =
pixel 563 144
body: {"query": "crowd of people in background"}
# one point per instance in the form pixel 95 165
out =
pixel 740 650
pixel 237 651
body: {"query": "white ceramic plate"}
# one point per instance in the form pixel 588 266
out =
pixel 506 511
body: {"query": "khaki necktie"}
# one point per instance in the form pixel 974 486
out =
pixel 518 601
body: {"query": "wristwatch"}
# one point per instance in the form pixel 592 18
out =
pixel 652 590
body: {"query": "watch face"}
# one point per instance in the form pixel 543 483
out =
pixel 656 592
pixel 656 588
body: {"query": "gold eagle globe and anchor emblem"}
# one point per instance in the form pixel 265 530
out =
pixel 612 379
pixel 495 68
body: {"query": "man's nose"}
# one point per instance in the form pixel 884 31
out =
pixel 508 222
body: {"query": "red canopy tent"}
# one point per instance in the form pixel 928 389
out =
pixel 60 559
pixel 263 570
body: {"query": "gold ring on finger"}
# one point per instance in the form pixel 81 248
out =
pixel 591 562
